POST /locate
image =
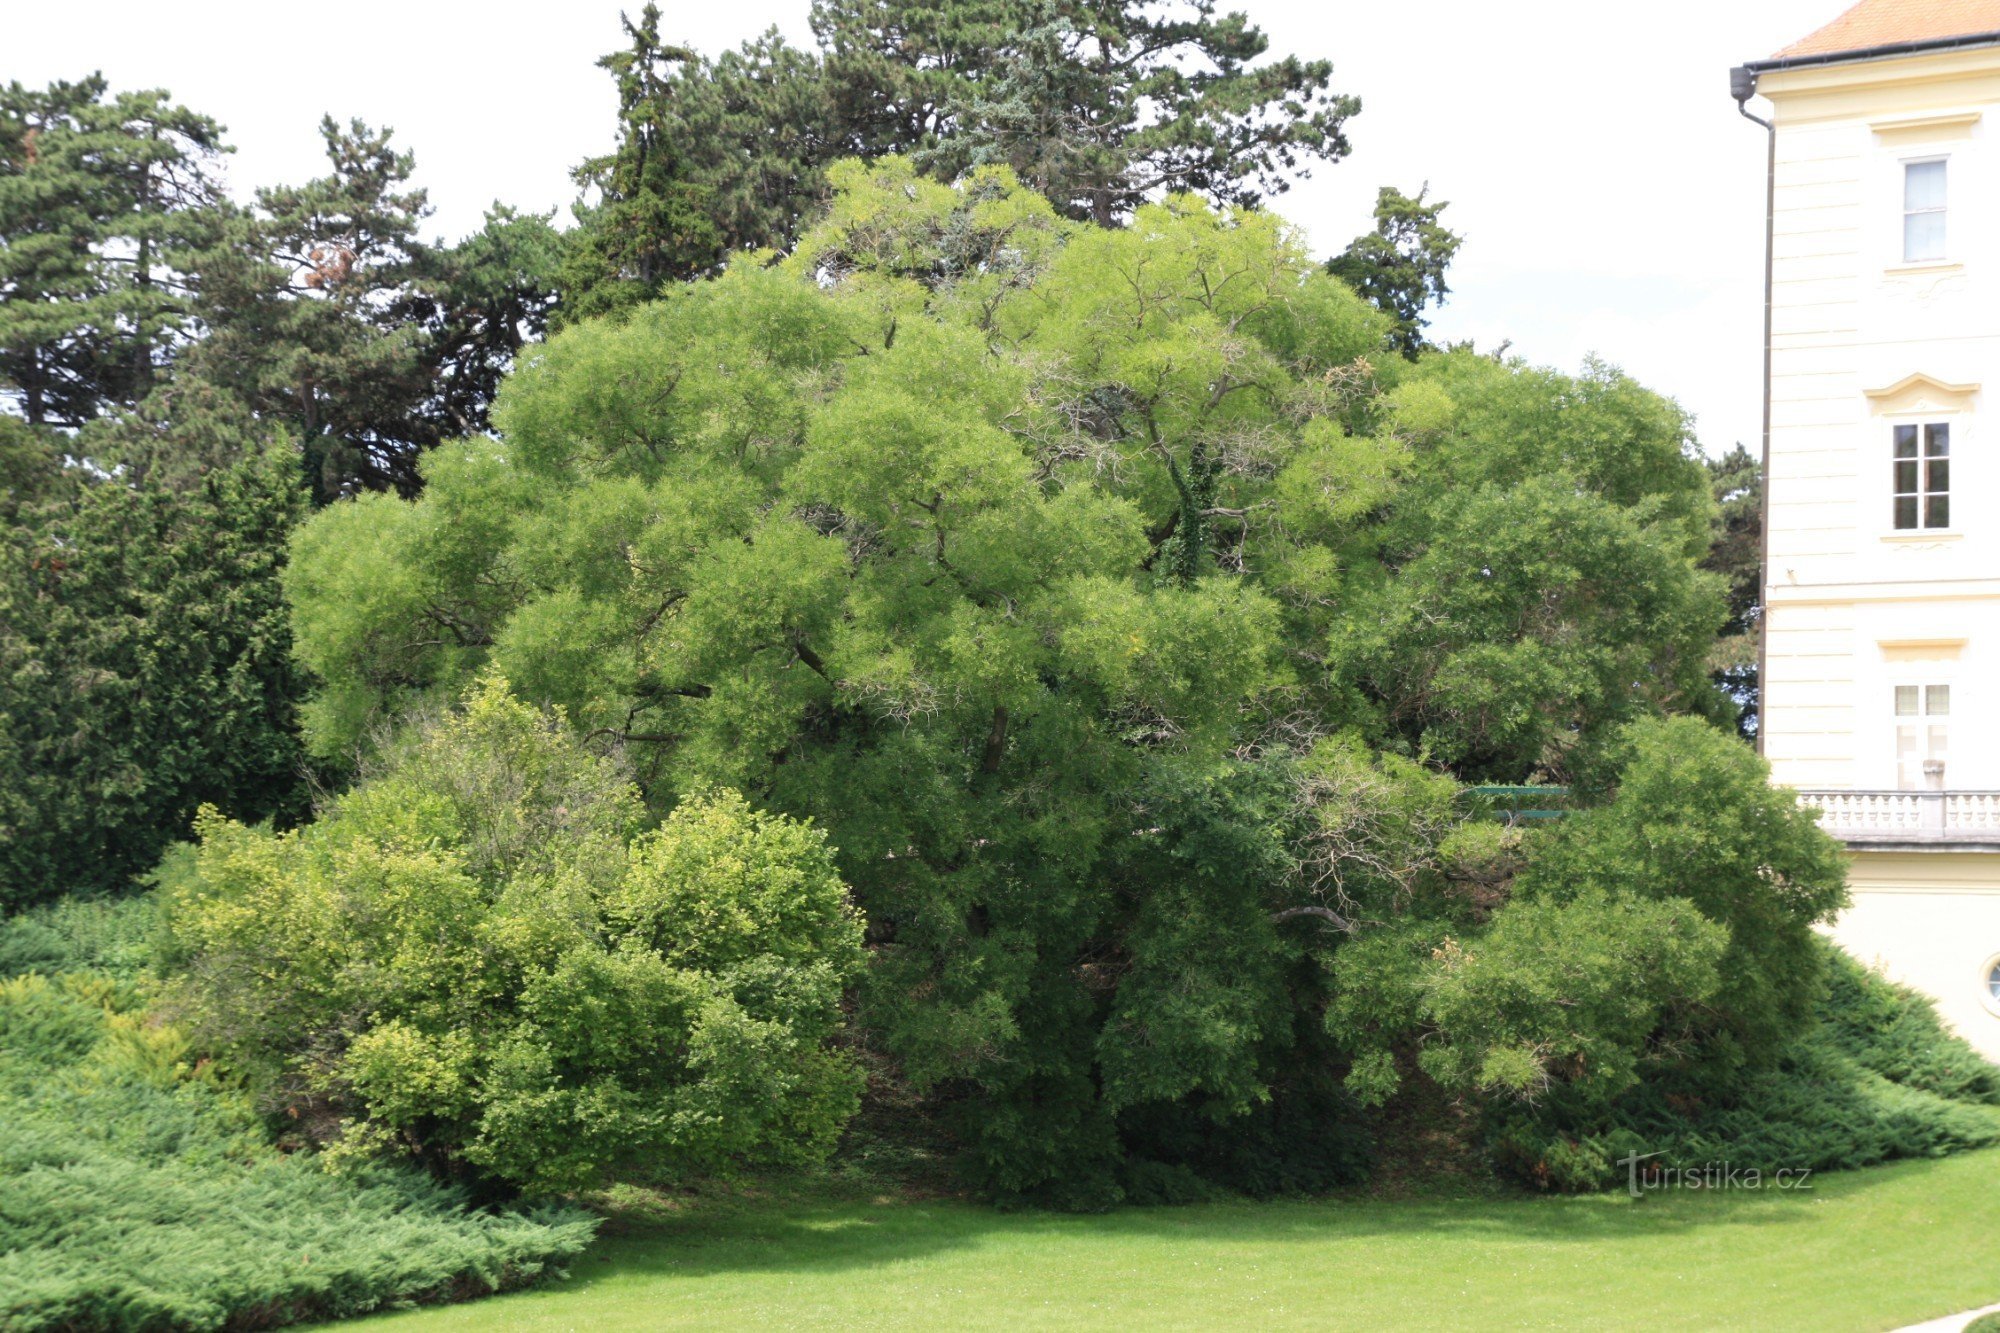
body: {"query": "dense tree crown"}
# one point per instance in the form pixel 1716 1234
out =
pixel 1401 265
pixel 1045 564
pixel 144 651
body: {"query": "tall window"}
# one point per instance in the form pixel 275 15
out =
pixel 1923 211
pixel 1922 476
pixel 1922 715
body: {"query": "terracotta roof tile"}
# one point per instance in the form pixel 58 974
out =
pixel 1882 22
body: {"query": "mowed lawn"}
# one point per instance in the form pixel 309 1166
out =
pixel 1863 1250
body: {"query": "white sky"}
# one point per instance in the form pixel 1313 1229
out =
pixel 1611 198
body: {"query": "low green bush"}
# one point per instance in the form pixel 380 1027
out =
pixel 140 1191
pixel 1876 1078
pixel 101 934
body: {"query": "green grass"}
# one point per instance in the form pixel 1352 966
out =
pixel 1864 1250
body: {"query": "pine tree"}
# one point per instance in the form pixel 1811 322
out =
pixel 101 198
pixel 1103 102
pixel 327 309
pixel 1400 266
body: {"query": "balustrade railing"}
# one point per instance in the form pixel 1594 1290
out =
pixel 1908 816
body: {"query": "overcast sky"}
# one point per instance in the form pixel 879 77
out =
pixel 1611 198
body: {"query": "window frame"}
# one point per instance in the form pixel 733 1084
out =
pixel 1942 211
pixel 1926 459
pixel 1926 723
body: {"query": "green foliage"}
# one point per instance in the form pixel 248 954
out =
pixel 327 310
pixel 113 936
pixel 1569 990
pixel 138 1191
pixel 477 954
pixel 1097 107
pixel 1737 554
pixel 1696 819
pixel 1537 585
pixel 1037 563
pixel 1400 266
pixel 1873 1077
pixel 102 196
pixel 1895 1032
pixel 144 649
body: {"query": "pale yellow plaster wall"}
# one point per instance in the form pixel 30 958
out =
pixel 1931 920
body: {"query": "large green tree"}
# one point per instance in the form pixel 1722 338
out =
pixel 102 196
pixel 327 309
pixel 1031 558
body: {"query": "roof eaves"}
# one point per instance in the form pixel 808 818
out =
pixel 1886 51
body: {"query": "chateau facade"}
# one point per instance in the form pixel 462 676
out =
pixel 1881 656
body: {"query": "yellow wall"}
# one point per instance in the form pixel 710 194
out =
pixel 1931 920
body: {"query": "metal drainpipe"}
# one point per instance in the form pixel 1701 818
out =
pixel 1742 87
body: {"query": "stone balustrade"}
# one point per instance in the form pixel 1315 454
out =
pixel 1908 816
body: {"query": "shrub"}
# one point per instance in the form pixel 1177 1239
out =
pixel 137 1193
pixel 112 935
pixel 1841 1095
pixel 1695 818
pixel 477 955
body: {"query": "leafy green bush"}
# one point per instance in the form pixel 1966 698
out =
pixel 138 1193
pixel 478 955
pixel 1665 934
pixel 1696 819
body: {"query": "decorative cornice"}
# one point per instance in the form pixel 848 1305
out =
pixel 1920 380
pixel 1948 120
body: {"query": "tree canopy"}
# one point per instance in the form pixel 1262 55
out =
pixel 1043 563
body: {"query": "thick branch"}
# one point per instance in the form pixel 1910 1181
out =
pixel 1327 914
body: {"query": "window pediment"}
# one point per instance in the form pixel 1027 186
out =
pixel 1921 393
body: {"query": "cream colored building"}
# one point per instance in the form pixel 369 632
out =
pixel 1881 679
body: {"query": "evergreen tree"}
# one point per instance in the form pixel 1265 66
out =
pixel 327 310
pixel 145 661
pixel 1102 103
pixel 1098 105
pixel 1400 266
pixel 1737 554
pixel 712 157
pixel 101 197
